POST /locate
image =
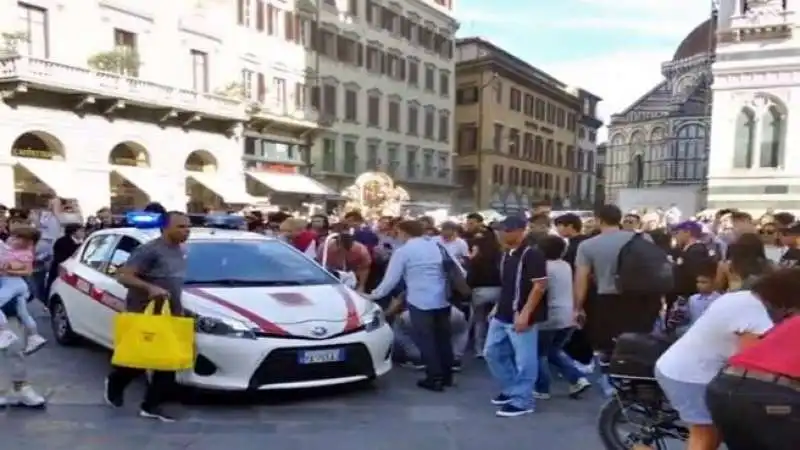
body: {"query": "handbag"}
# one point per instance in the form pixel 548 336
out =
pixel 459 291
pixel 153 342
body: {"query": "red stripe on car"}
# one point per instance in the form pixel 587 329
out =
pixel 86 287
pixel 265 325
pixel 353 320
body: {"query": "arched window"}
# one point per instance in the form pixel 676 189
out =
pixel 691 149
pixel 744 139
pixel 772 131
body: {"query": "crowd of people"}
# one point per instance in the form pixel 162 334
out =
pixel 528 294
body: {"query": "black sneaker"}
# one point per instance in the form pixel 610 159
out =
pixel 112 398
pixel 456 367
pixel 501 399
pixel 431 385
pixel 509 410
pixel 156 413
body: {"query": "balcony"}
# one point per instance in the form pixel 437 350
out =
pixel 57 77
pixel 278 110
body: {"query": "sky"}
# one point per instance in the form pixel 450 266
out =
pixel 612 48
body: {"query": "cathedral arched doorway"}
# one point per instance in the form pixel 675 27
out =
pixel 130 178
pixel 35 179
pixel 201 165
pixel 637 171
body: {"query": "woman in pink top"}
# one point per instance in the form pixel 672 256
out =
pixel 16 262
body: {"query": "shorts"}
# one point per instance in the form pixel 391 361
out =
pixel 688 399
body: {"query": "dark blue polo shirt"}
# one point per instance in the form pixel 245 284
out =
pixel 519 269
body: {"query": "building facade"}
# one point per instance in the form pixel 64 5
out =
pixel 123 102
pixel 387 96
pixel 517 131
pixel 585 180
pixel 756 85
pixel 662 138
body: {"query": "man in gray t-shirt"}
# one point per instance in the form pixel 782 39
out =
pixel 609 313
pixel 154 270
pixel 161 264
pixel 600 255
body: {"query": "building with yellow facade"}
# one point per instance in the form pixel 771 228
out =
pixel 517 131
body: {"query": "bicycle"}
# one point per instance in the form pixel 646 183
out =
pixel 637 395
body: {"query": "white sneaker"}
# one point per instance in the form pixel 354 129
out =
pixel 541 395
pixel 35 342
pixel 3 401
pixel 581 385
pixel 26 396
pixel 7 337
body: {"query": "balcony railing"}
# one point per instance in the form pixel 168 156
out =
pixel 55 76
pixel 63 77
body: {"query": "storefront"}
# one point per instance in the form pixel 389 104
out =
pixel 39 170
pixel 208 190
pixel 274 170
pixel 130 180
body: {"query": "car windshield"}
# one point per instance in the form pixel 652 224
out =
pixel 251 263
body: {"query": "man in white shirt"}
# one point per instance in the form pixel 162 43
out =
pixel 454 245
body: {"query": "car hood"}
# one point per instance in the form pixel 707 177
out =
pixel 273 308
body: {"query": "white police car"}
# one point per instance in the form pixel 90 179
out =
pixel 268 317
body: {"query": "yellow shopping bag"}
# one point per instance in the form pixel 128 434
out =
pixel 153 342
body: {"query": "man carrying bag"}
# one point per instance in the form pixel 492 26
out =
pixel 154 273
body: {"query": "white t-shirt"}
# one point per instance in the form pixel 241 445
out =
pixel 457 248
pixel 704 349
pixel 560 301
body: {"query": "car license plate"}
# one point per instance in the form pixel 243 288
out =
pixel 321 356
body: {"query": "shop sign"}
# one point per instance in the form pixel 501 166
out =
pixel 259 166
pixel 32 153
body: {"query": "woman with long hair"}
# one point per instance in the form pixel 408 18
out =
pixel 483 277
pixel 746 262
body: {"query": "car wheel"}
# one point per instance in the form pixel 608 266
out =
pixel 60 324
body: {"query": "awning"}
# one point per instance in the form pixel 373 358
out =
pixel 57 175
pixel 232 193
pixel 142 178
pixel 292 183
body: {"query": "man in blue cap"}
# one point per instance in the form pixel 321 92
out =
pixel 691 257
pixel 511 350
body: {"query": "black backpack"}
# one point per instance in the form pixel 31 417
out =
pixel 644 268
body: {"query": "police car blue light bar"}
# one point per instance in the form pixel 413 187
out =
pixel 144 220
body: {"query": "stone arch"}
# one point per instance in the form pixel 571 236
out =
pixel 637 142
pixel 201 161
pixel 37 156
pixel 129 153
pixel 38 144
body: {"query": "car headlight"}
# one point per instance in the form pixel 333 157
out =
pixel 373 318
pixel 219 326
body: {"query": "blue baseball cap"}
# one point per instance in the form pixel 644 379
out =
pixel 694 228
pixel 513 223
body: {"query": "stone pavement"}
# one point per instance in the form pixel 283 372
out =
pixel 392 415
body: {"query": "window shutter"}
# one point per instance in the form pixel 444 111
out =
pixel 260 15
pixel 240 11
pixel 262 88
pixel 289 26
pixel 315 38
pixel 270 20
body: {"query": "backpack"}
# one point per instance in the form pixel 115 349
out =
pixel 644 268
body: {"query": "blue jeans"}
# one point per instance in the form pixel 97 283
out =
pixel 513 360
pixel 551 345
pixel 14 293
